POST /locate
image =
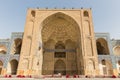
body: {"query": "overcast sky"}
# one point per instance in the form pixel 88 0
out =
pixel 106 14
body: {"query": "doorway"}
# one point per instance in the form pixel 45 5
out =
pixel 60 67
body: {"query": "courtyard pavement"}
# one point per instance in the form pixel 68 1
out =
pixel 59 79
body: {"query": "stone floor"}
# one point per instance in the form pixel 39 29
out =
pixel 59 79
pixel 56 77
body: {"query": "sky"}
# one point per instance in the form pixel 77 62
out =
pixel 106 14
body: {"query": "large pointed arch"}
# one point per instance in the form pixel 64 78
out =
pixel 60 27
pixel 53 22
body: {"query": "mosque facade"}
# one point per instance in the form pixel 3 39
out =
pixel 59 41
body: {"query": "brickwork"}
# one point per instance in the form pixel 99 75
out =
pixel 59 41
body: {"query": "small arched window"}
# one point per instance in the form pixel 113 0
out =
pixel 86 14
pixel 33 13
pixel 103 62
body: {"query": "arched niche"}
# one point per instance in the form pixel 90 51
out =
pixel 102 46
pixel 118 66
pixel 116 50
pixel 12 67
pixel 48 46
pixel 3 49
pixel 119 62
pixel 72 46
pixel 16 47
pixel 1 65
pixel 103 62
pixel 60 46
pixel 90 66
pixel 60 67
pixel 87 28
pixel 107 67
